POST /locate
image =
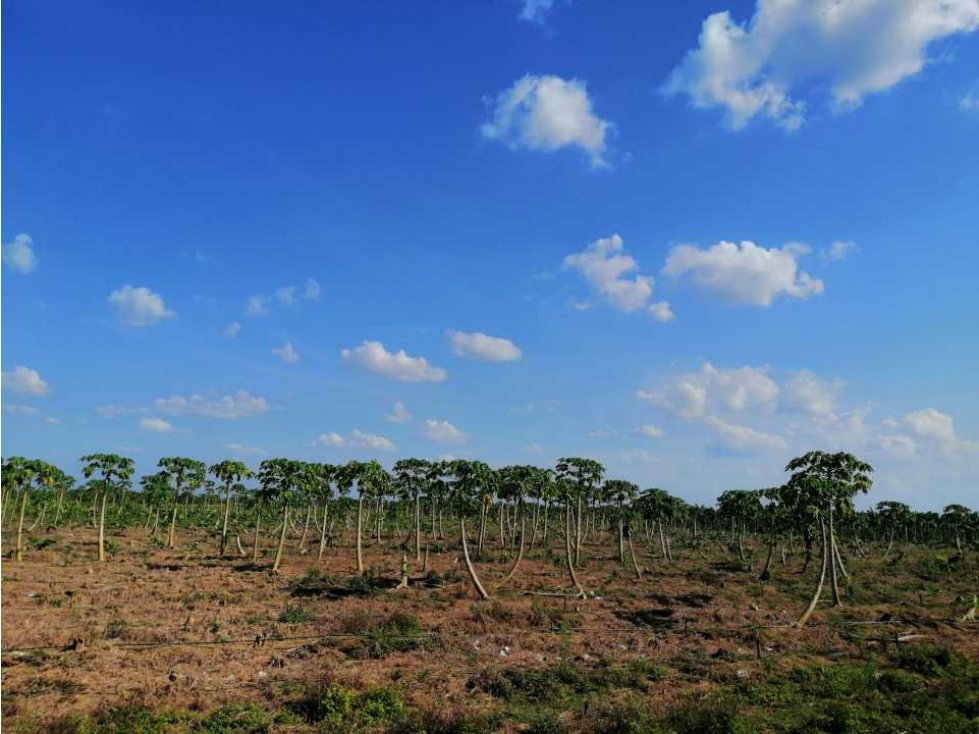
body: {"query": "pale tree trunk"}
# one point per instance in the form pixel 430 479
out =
pixel 418 527
pixel 19 552
pixel 258 523
pixel 302 540
pixel 173 525
pixel 567 551
pixel 577 546
pixel 469 564
pixel 621 537
pixel 102 531
pixel 360 550
pixel 227 512
pixel 277 560
pixel 635 564
pixel 822 579
pixel 513 568
pixel 326 506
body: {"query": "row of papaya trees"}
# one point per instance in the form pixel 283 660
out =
pixel 514 509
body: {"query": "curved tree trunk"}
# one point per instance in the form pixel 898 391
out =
pixel 832 561
pixel 326 506
pixel 635 564
pixel 513 568
pixel 277 560
pixel 469 564
pixel 258 522
pixel 766 571
pixel 302 539
pixel 227 512
pixel 822 580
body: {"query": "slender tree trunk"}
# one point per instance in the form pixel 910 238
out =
pixel 418 526
pixel 513 568
pixel 227 512
pixel 360 550
pixel 326 506
pixel 662 538
pixel 832 561
pixel 635 564
pixel 621 537
pixel 258 522
pixel 567 551
pixel 469 564
pixel 766 571
pixel 302 539
pixel 547 511
pixel 102 530
pixel 57 509
pixel 19 552
pixel 533 536
pixel 822 580
pixel 173 526
pixel 277 560
pixel 577 545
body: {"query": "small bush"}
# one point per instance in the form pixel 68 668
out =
pixel 295 614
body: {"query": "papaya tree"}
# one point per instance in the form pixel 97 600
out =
pixel 577 481
pixel 114 475
pixel 469 481
pixel 411 479
pixel 229 475
pixel 184 476
pixel 280 481
pixel 622 494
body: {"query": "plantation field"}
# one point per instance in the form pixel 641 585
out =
pixel 159 639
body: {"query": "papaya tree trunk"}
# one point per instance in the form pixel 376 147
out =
pixel 277 560
pixel 102 531
pixel 469 564
pixel 19 552
pixel 822 580
pixel 567 551
pixel 360 520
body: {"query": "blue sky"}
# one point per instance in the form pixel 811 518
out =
pixel 691 240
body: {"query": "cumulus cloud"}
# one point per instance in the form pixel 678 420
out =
pixel 839 250
pixel 139 306
pixel 744 274
pixel 372 356
pixel 116 411
pixel 476 345
pixel 808 392
pixel 19 409
pixel 742 438
pixel 535 11
pixel 648 431
pixel 231 330
pixel 229 407
pixel 286 353
pixel 257 306
pixel 19 255
pixel 615 277
pixel 155 425
pixel 24 381
pixel 694 394
pixel 850 47
pixel 311 290
pixel 357 439
pixel 899 445
pixel 286 295
pixel 547 113
pixel 399 414
pixel 444 432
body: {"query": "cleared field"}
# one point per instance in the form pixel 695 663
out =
pixel 181 639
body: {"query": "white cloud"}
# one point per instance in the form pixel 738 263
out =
pixel 746 273
pixel 535 448
pixel 602 433
pixel 480 346
pixel 970 100
pixel 537 406
pixel 257 306
pixel 695 394
pixel 286 353
pixel 742 438
pixel 615 277
pixel 19 409
pixel 329 440
pixel 155 425
pixel 52 420
pixel 24 381
pixel 547 113
pixel 139 306
pixel 806 391
pixel 397 365
pixel 648 431
pixel 638 456
pixel 237 405
pixel 444 431
pixel 840 250
pixel 19 255
pixel 358 439
pixel 899 445
pixel 399 414
pixel 536 11
pixel 245 450
pixel 311 291
pixel 852 47
pixel 661 311
pixel 286 295
pixel 938 429
pixel 231 330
